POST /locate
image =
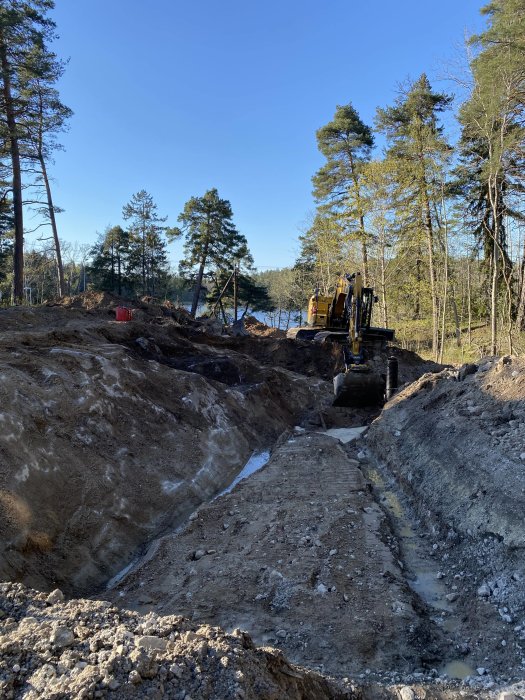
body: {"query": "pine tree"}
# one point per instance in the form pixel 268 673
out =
pixel 24 24
pixel 6 235
pixel 211 239
pixel 419 152
pixel 44 119
pixel 346 143
pixel 108 269
pixel 147 246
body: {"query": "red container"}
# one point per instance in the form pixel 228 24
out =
pixel 123 313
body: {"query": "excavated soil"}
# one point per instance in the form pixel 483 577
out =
pixel 371 554
pixel 113 432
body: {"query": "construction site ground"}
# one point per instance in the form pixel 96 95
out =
pixel 367 553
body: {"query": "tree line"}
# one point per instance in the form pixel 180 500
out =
pixel 217 265
pixel 127 259
pixel 437 228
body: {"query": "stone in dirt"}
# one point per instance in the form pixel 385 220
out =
pixel 181 656
pixel 407 693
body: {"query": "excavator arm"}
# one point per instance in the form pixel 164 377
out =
pixel 359 384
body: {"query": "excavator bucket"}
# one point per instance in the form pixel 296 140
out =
pixel 357 388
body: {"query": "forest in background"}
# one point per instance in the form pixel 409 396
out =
pixel 437 228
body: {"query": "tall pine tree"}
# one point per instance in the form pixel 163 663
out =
pixel 418 152
pixel 45 118
pixel 346 143
pixel 24 25
pixel 211 239
pixel 147 245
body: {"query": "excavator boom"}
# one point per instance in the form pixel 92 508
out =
pixel 359 384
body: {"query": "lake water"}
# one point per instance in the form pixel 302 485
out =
pixel 268 318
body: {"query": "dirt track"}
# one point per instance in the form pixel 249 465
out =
pixel 390 563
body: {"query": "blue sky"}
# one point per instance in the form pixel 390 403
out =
pixel 177 97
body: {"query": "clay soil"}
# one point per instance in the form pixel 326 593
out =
pixel 372 554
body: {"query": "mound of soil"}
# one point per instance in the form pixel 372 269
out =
pixel 113 432
pixel 261 330
pixel 87 649
pixel 89 300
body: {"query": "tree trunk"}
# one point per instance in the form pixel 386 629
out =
pixel 445 286
pixel 493 195
pixel 383 284
pixel 144 261
pixel 151 279
pixel 18 256
pixel 235 291
pixel 364 252
pixel 364 247
pixel 417 307
pixel 456 321
pixel 223 312
pixel 112 254
pixel 469 305
pixel 520 315
pixel 494 304
pixel 197 290
pixel 520 312
pixel 52 219
pixel 432 274
pixel 198 282
pixel 119 275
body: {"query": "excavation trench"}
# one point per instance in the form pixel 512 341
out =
pixel 256 462
pixel 295 554
pixel 392 559
pixel 423 573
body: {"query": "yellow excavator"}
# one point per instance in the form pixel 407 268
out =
pixel 325 313
pixel 361 384
pixel 345 317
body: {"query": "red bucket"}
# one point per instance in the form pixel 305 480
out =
pixel 123 313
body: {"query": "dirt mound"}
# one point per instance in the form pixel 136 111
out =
pixel 82 649
pixel 257 328
pixel 90 300
pixel 411 365
pixel 113 432
pixel 105 303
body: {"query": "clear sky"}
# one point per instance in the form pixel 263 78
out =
pixel 176 97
